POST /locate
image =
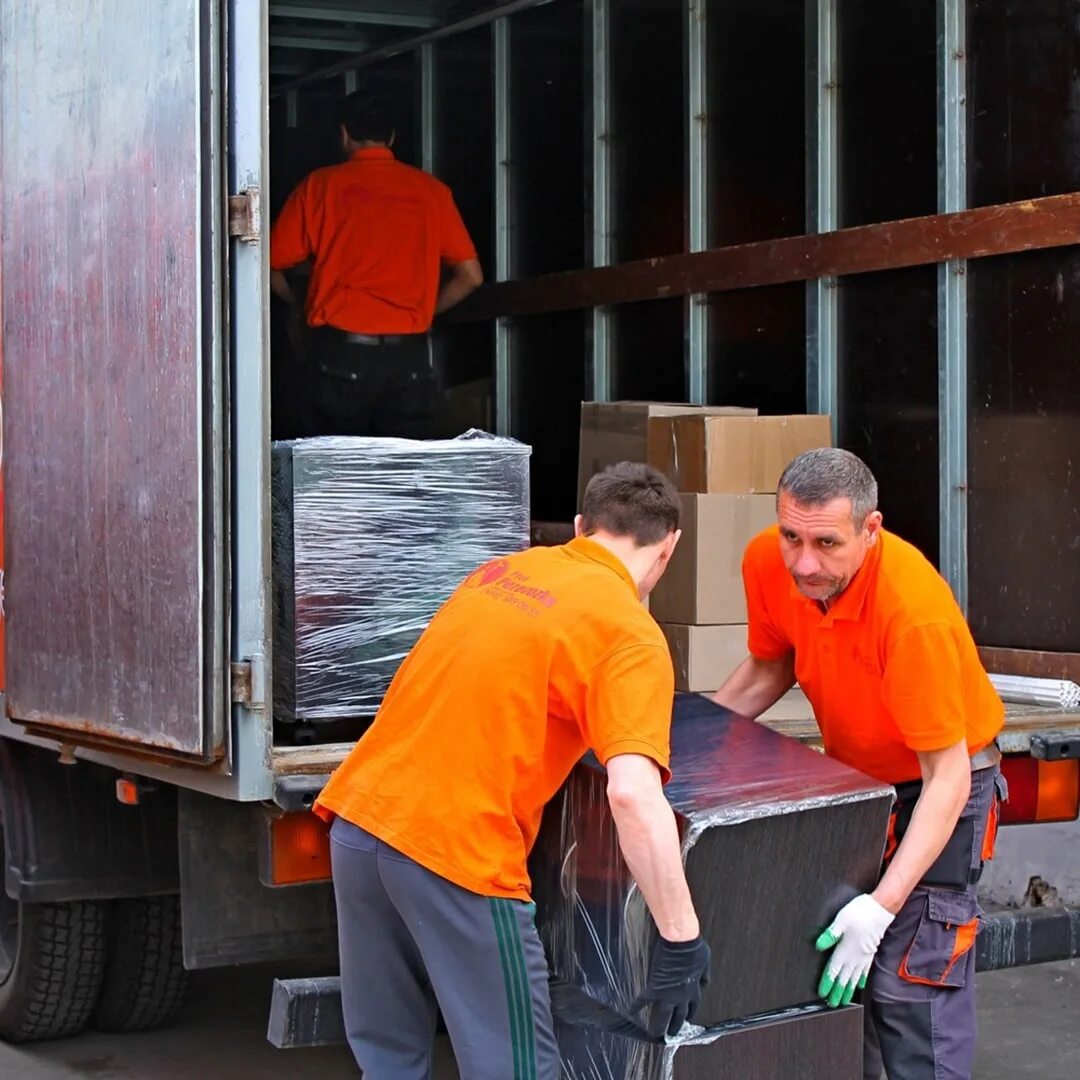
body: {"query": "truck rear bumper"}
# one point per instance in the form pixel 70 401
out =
pixel 307 1012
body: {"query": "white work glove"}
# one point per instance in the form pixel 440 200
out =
pixel 856 933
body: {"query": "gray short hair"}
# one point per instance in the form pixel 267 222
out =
pixel 819 476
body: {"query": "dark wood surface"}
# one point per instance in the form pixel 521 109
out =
pixel 1042 665
pixel 1053 221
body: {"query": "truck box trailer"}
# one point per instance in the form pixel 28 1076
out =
pixel 655 186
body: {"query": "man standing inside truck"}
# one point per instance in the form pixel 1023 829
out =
pixel 875 639
pixel 379 235
pixel 535 659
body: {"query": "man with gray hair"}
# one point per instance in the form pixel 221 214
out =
pixel 874 637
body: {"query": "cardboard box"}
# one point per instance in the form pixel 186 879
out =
pixel 703 584
pixel 614 431
pixel 704 656
pixel 737 454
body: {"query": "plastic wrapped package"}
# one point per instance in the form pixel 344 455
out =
pixel 809 1043
pixel 776 839
pixel 370 537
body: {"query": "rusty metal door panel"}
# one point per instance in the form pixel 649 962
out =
pixel 112 384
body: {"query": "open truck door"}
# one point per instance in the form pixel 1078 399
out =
pixel 115 230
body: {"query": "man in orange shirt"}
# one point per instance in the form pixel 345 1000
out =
pixel 379 234
pixel 878 644
pixel 535 659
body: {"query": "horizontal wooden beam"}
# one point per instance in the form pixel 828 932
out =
pixel 969 234
pixel 1040 665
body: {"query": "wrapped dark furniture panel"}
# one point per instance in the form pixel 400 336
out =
pixel 776 839
pixel 370 538
pixel 814 1043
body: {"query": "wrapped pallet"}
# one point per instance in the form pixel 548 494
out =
pixel 370 537
pixel 776 839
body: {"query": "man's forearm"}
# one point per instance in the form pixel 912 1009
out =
pixel 756 685
pixel 943 798
pixel 464 279
pixel 280 287
pixel 649 840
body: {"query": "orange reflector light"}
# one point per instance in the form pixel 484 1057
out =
pixel 127 792
pixel 1040 790
pixel 299 849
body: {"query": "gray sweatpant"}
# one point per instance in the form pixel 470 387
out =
pixel 411 944
pixel 920 999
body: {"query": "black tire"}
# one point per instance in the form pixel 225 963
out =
pixel 52 960
pixel 145 980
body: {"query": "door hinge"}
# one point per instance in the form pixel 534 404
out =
pixel 249 682
pixel 245 215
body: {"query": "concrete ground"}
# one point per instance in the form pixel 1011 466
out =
pixel 1029 1018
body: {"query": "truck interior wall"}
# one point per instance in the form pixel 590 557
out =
pixel 1024 397
pixel 888 409
pixel 757 191
pixel 1024 322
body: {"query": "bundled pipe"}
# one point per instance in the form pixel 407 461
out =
pixel 1026 690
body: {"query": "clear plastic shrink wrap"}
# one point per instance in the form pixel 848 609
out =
pixel 776 839
pixel 370 537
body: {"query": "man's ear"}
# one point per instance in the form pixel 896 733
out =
pixel 578 530
pixel 393 137
pixel 873 525
pixel 671 543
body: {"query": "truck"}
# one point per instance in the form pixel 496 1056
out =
pixel 800 206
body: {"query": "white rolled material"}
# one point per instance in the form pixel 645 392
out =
pixel 1026 690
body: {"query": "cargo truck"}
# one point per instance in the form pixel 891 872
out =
pixel 655 186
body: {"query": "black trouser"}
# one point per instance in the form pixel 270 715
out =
pixel 364 385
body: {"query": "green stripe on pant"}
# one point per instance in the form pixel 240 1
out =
pixel 518 992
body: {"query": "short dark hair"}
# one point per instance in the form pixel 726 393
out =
pixel 631 499
pixel 819 476
pixel 365 119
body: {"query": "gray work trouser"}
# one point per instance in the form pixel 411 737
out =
pixel 413 943
pixel 920 998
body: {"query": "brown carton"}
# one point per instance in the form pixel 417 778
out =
pixel 704 656
pixel 736 454
pixel 703 583
pixel 613 431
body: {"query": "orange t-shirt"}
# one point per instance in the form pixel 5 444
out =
pixel 534 660
pixel 379 232
pixel 890 669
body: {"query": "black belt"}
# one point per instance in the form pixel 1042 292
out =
pixel 372 339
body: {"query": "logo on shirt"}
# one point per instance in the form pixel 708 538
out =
pixel 512 587
pixel 488 573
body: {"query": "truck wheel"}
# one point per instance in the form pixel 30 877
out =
pixel 52 958
pixel 145 978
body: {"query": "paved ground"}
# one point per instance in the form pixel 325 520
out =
pixel 1030 1021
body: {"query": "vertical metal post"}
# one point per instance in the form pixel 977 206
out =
pixel 822 210
pixel 249 333
pixel 697 192
pixel 427 108
pixel 292 109
pixel 952 299
pixel 504 419
pixel 598 37
pixel 351 81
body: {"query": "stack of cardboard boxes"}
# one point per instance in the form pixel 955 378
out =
pixel 726 463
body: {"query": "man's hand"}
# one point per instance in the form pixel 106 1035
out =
pixel 856 933
pixel 297 329
pixel 678 972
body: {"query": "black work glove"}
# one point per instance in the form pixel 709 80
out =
pixel 678 972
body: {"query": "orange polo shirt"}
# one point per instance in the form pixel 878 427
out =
pixel 534 660
pixel 890 669
pixel 378 232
